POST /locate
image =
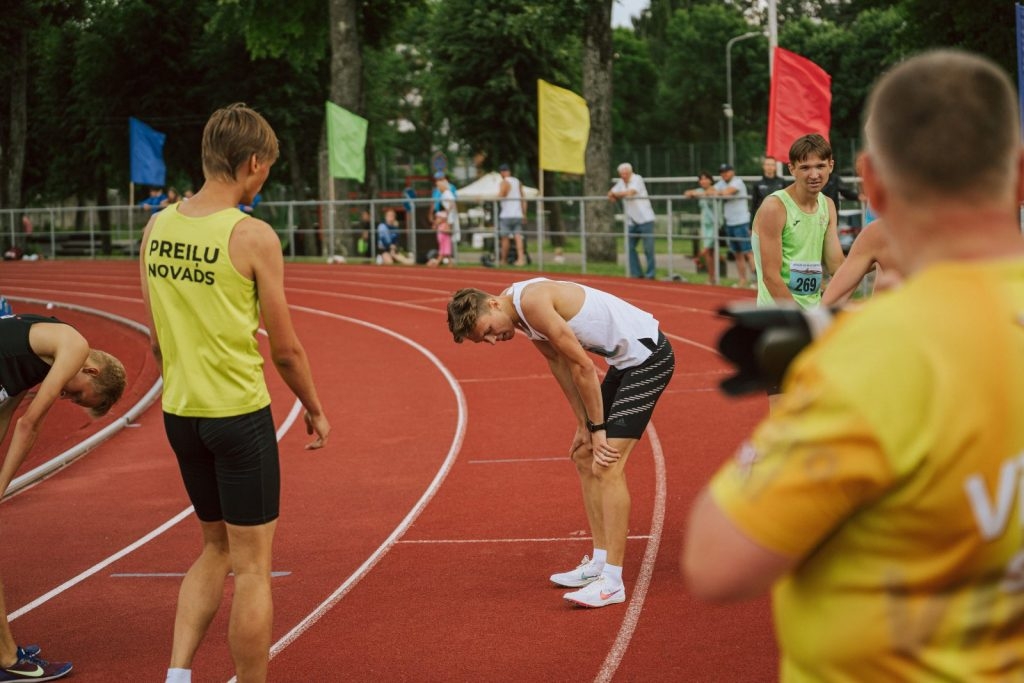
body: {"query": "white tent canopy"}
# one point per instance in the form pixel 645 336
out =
pixel 486 188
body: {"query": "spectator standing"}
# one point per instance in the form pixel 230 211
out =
pixel 835 189
pixel 512 216
pixel 632 190
pixel 172 197
pixel 770 182
pixel 882 500
pixel 708 225
pixel 737 220
pixel 155 201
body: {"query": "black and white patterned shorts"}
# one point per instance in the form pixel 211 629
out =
pixel 629 394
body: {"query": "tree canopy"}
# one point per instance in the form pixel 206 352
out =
pixel 456 76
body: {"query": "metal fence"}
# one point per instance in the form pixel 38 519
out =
pixel 556 233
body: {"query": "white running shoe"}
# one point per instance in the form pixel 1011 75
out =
pixel 597 594
pixel 584 574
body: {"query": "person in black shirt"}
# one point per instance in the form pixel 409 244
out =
pixel 769 182
pixel 38 350
pixel 834 189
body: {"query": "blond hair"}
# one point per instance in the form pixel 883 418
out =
pixel 232 136
pixel 464 309
pixel 108 383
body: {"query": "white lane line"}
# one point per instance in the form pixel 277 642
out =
pixel 97 567
pixel 453 450
pixel 184 514
pixel 443 541
pixel 162 575
pixel 643 581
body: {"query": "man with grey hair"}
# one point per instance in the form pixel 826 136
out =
pixel 630 188
pixel 882 499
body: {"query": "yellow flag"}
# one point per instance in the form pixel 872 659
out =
pixel 563 123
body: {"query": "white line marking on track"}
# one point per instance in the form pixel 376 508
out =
pixel 643 581
pixel 404 525
pixel 97 567
pixel 160 575
pixel 563 539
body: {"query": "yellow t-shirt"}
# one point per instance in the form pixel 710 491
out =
pixel 206 315
pixel 894 466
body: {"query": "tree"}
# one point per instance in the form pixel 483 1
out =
pixel 597 90
pixel 486 59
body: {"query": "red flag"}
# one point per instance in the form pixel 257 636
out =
pixel 799 103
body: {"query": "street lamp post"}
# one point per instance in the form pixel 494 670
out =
pixel 727 107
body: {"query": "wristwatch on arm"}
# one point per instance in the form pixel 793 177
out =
pixel 591 427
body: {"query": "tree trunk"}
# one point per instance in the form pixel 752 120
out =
pixel 597 90
pixel 302 234
pixel 15 161
pixel 346 90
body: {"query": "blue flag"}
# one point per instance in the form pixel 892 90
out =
pixel 1020 59
pixel 147 153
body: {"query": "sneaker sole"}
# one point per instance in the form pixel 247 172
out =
pixel 579 603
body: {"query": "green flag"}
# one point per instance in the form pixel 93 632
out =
pixel 346 143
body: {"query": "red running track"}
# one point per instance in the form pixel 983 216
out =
pixel 417 546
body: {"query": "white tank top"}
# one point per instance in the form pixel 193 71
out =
pixel 512 205
pixel 605 325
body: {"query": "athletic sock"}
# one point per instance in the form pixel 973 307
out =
pixel 599 558
pixel 614 574
pixel 179 676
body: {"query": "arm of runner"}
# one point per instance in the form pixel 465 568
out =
pixel 768 225
pixel 539 308
pixel 857 264
pixel 832 251
pixel 563 375
pixel 261 248
pixel 69 351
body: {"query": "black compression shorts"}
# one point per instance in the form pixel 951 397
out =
pixel 229 466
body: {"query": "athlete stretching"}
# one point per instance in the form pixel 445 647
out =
pixel 565 320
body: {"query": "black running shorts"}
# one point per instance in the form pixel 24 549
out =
pixel 229 466
pixel 630 394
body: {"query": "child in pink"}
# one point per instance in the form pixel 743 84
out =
pixel 444 237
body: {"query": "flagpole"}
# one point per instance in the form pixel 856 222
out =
pixel 540 222
pixel 330 214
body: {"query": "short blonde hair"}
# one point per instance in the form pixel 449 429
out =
pixel 233 135
pixel 108 383
pixel 944 122
pixel 464 309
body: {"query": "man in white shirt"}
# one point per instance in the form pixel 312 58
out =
pixel 630 188
pixel 737 221
pixel 513 215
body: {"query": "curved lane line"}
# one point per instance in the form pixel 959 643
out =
pixel 292 416
pixel 643 581
pixel 400 530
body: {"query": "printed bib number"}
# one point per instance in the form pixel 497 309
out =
pixel 805 277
